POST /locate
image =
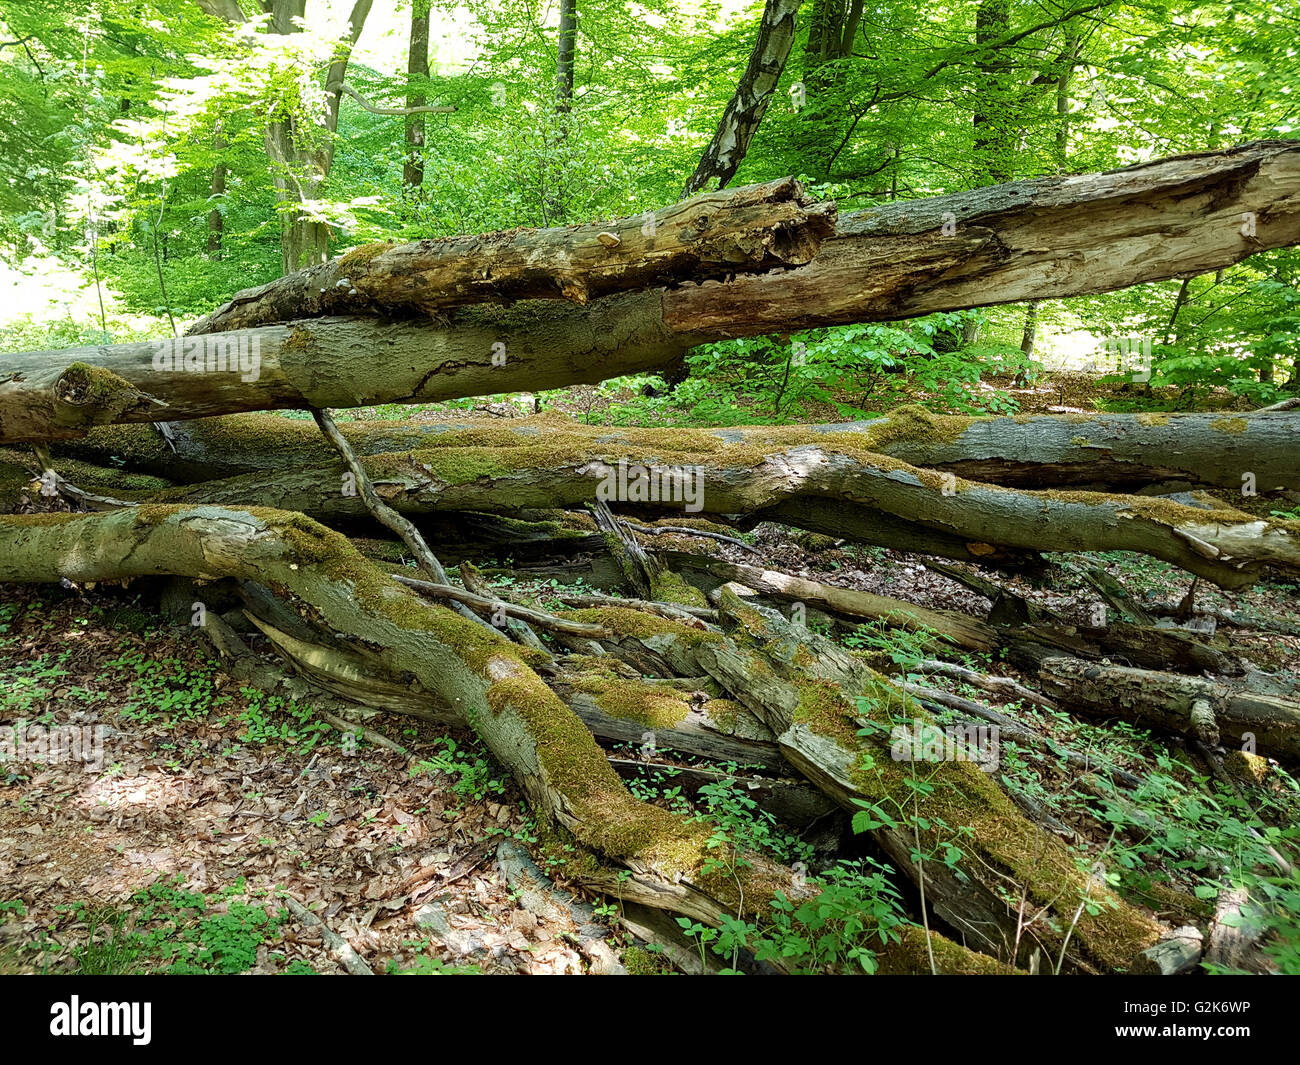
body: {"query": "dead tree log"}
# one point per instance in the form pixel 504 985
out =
pixel 483 680
pixel 482 677
pixel 815 698
pixel 711 236
pixel 962 629
pixel 868 496
pixel 333 362
pixel 1176 703
pixel 1046 238
pixel 1109 452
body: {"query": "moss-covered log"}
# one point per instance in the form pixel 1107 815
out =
pixel 486 681
pixel 833 485
pixel 997 878
pixel 961 629
pixel 470 675
pixel 1108 452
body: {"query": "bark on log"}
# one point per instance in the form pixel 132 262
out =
pixel 711 236
pixel 1166 701
pixel 1174 955
pixel 1046 238
pixel 333 362
pixel 1235 933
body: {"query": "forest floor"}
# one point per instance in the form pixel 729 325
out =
pixel 213 801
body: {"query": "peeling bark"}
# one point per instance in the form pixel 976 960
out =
pixel 753 228
pixel 748 104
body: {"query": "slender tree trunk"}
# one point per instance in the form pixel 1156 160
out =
pixel 993 136
pixel 216 219
pixel 851 25
pixel 417 66
pixel 1028 336
pixel 566 46
pixel 1063 83
pixel 825 32
pixel 300 168
pixel 749 103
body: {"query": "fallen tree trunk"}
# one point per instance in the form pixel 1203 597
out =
pixel 1046 238
pixel 1113 452
pixel 868 496
pixel 711 236
pixel 961 629
pixel 1176 703
pixel 484 681
pixel 806 690
pixel 331 363
pixel 487 682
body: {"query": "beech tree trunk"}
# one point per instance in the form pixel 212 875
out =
pixel 759 227
pixel 826 482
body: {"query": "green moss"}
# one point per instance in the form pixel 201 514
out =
pixel 1165 511
pixel 961 795
pixel 1150 420
pixel 637 624
pixel 811 541
pixel 671 587
pixel 1229 425
pixel 724 714
pixel 100 389
pixel 915 424
pixel 14 478
pixel 1177 907
pixel 910 956
pixel 652 705
pixel 640 962
pixel 300 341
pixel 359 258
pixel 39 521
